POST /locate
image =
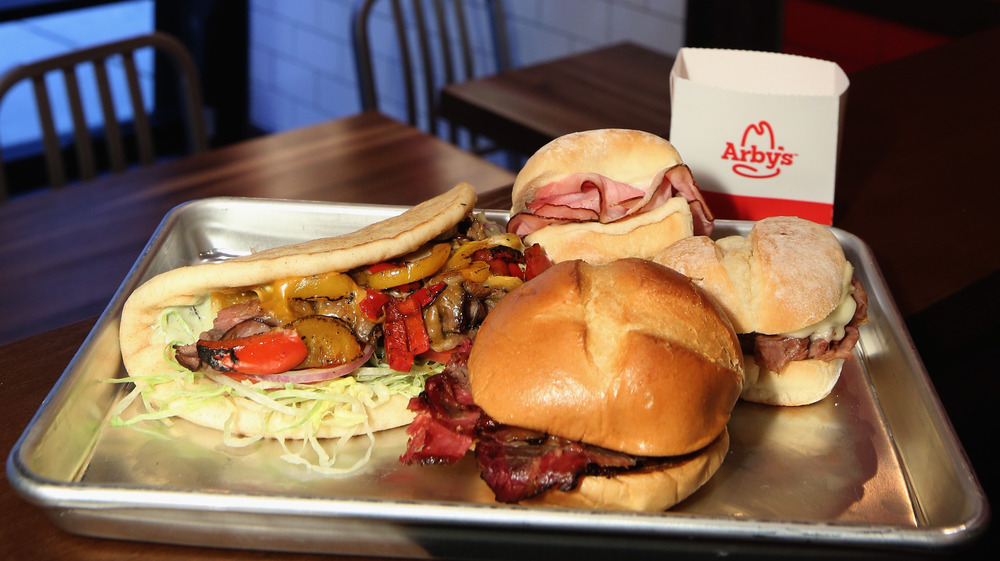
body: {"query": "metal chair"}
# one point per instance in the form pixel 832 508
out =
pixel 99 56
pixel 432 42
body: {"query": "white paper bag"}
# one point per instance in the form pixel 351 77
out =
pixel 759 130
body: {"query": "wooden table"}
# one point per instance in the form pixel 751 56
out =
pixel 916 181
pixel 917 152
pixel 29 367
pixel 64 253
pixel 624 85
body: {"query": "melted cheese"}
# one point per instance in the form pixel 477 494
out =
pixel 832 326
pixel 275 297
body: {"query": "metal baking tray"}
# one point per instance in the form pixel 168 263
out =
pixel 876 466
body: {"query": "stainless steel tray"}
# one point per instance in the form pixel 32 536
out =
pixel 874 466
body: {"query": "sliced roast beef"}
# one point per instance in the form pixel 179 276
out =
pixel 187 356
pixel 230 316
pixel 774 352
pixel 248 328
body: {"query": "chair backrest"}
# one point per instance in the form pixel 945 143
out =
pixel 434 43
pixel 99 56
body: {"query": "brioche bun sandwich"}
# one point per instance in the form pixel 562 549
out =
pixel 591 386
pixel 605 194
pixel 328 338
pixel 791 295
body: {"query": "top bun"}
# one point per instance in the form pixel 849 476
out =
pixel 624 155
pixel 787 274
pixel 629 356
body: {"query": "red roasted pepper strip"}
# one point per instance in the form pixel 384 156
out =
pixel 535 261
pixel 503 260
pixel 427 294
pixel 373 303
pixel 405 332
pixel 397 351
pixel 267 353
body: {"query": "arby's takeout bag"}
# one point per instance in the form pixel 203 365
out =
pixel 761 130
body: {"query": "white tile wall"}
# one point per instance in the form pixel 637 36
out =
pixel 302 70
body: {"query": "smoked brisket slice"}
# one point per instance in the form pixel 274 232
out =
pixel 516 463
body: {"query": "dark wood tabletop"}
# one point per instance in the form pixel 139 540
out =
pixel 915 182
pixel 63 253
pixel 623 85
pixel 916 163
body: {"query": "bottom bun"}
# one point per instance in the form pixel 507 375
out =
pixel 247 418
pixel 650 491
pixel 801 382
pixel 642 235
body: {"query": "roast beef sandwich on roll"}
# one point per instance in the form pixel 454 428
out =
pixel 327 338
pixel 593 386
pixel 606 194
pixel 791 295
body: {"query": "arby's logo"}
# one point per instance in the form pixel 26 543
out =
pixel 758 156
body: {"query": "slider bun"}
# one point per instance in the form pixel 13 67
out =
pixel 627 156
pixel 649 491
pixel 641 235
pixel 802 382
pixel 788 273
pixel 629 356
pixel 624 155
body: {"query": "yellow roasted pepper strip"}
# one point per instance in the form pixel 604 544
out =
pixel 463 255
pixel 410 271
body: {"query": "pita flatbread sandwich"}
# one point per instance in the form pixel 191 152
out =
pixel 329 338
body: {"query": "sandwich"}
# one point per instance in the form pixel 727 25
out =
pixel 791 295
pixel 606 194
pixel 591 386
pixel 328 338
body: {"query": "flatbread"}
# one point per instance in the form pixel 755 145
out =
pixel 143 351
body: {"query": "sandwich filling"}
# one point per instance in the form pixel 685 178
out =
pixel 829 339
pixel 516 463
pixel 592 197
pixel 327 350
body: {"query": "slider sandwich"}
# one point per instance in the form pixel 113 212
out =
pixel 606 194
pixel 592 386
pixel 791 295
pixel 328 338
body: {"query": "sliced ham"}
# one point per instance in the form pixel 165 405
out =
pixel 583 197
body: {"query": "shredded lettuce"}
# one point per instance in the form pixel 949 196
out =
pixel 341 402
pixel 492 228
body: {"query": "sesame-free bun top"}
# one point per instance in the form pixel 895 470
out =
pixel 629 356
pixel 624 155
pixel 787 274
